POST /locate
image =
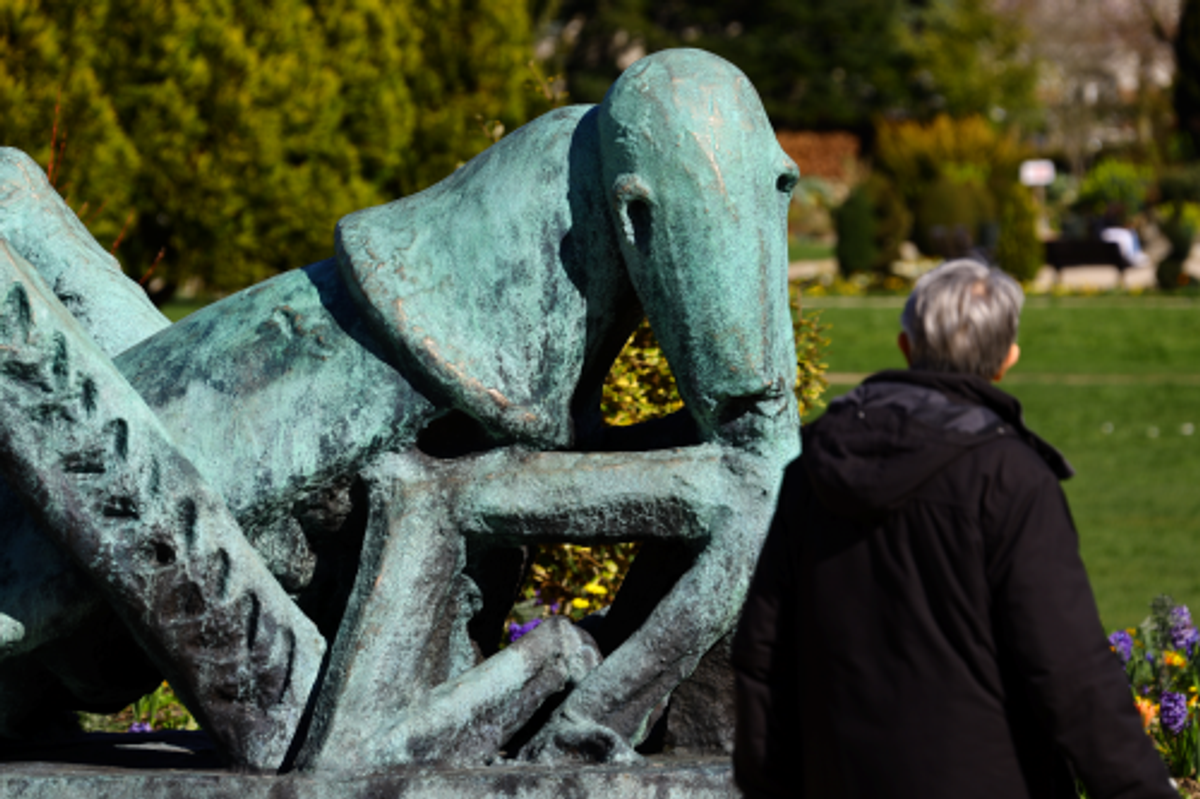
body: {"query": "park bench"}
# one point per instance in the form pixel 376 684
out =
pixel 1086 252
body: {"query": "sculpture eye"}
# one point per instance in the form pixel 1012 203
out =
pixel 788 180
pixel 639 224
pixel 634 198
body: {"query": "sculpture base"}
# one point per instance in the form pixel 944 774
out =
pixel 170 765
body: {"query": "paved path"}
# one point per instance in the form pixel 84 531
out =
pixel 1034 301
pixel 1053 378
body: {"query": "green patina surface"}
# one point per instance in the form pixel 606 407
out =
pixel 375 430
pixel 39 226
pixel 114 492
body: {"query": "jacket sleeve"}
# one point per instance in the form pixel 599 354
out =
pixel 1046 618
pixel 767 749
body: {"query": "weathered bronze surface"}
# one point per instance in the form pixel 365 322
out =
pixel 300 504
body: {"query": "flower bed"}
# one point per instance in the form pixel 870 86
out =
pixel 1162 663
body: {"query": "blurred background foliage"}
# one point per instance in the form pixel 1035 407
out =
pixel 817 64
pixel 231 137
pixel 234 134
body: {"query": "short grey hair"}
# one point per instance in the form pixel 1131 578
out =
pixel 962 317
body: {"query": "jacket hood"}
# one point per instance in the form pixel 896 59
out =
pixel 876 445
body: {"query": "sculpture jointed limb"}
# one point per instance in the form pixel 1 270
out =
pixel 111 489
pixel 486 345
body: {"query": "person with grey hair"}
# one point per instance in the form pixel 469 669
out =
pixel 920 623
pixel 963 317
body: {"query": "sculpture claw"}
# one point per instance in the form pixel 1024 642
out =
pixel 569 738
pixel 582 651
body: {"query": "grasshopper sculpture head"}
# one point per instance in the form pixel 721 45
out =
pixel 699 190
pixel 495 285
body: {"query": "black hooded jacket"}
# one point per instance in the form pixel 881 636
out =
pixel 921 624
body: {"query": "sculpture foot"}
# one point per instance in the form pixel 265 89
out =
pixel 580 649
pixel 569 738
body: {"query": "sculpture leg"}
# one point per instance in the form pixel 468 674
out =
pixel 718 500
pixel 96 469
pixel 465 720
pixel 641 673
pixel 40 227
pixel 42 596
pixel 402 685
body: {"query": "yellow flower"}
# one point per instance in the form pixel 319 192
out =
pixel 580 603
pixel 1174 659
pixel 1131 630
pixel 595 588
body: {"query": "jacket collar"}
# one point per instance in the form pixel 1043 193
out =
pixel 974 390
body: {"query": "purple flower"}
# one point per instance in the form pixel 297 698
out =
pixel 1183 633
pixel 141 726
pixel 1122 642
pixel 1174 712
pixel 515 631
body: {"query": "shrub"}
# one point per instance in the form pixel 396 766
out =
pixel 872 224
pixel 915 156
pixel 855 220
pixel 235 135
pixel 893 222
pixel 1179 185
pixel 953 174
pixel 951 217
pixel 1180 228
pixel 811 344
pixel 1178 215
pixel 1019 251
pixel 1114 187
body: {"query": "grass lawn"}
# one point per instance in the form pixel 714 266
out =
pixel 800 249
pixel 1115 384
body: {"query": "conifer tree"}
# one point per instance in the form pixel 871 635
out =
pixel 233 136
pixel 820 64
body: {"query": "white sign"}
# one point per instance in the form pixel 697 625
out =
pixel 1037 172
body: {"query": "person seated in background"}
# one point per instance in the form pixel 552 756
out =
pixel 1127 242
pixel 1114 228
pixel 920 622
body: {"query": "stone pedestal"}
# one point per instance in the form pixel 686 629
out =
pixel 171 765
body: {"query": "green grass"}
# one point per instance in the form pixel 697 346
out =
pixel 1135 498
pixel 1131 335
pixel 808 250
